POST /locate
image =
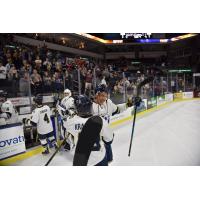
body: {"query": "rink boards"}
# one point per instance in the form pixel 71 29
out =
pixel 125 116
pixel 12 141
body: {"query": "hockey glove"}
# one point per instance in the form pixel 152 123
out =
pixel 137 101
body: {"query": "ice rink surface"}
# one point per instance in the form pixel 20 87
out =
pixel 166 137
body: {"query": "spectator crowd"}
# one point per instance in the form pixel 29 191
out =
pixel 46 71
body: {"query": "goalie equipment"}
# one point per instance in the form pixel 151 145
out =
pixel 65 113
pixel 67 92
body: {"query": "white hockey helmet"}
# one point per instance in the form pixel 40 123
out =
pixel 67 92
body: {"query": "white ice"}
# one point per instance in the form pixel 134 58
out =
pixel 169 136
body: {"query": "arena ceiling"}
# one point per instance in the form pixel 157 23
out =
pixel 117 38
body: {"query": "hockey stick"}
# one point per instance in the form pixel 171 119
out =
pixel 136 104
pixel 59 125
pixel 58 149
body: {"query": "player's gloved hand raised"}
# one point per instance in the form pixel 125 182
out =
pixel 137 101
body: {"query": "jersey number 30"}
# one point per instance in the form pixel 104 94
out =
pixel 46 119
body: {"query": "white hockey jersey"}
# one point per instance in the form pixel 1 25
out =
pixel 74 126
pixel 107 109
pixel 9 113
pixel 68 102
pixel 42 117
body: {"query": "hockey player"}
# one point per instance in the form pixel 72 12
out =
pixel 90 149
pixel 68 116
pixel 8 113
pixel 104 107
pixel 67 104
pixel 41 118
pixel 68 101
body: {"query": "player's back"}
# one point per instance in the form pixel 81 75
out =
pixel 89 127
pixel 42 116
pixel 75 124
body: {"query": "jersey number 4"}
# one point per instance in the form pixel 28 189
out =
pixel 46 118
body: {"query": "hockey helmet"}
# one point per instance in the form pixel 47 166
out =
pixel 67 92
pixel 83 105
pixel 38 99
pixel 101 88
pixel 3 96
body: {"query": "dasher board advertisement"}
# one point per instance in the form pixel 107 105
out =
pixel 12 140
pixel 188 95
